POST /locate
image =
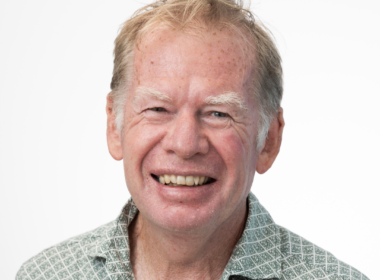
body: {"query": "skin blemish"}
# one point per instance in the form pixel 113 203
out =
pixel 214 33
pixel 151 62
pixel 218 57
pixel 138 82
pixel 222 51
pixel 180 87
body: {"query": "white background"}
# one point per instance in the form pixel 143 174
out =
pixel 57 179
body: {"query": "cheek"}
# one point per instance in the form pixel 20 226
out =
pixel 238 154
pixel 137 143
pixel 230 147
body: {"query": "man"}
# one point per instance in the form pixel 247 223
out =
pixel 194 111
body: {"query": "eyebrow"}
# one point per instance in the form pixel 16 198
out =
pixel 142 92
pixel 228 98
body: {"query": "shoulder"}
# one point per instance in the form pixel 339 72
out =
pixel 66 260
pixel 301 259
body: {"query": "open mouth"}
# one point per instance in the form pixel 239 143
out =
pixel 178 180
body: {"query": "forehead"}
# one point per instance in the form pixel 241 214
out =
pixel 220 56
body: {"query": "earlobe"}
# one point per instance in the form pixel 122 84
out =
pixel 272 144
pixel 113 135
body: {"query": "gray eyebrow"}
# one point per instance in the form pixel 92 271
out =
pixel 142 92
pixel 228 98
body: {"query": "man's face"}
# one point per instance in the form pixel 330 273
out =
pixel 182 118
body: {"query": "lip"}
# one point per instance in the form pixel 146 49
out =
pixel 159 172
pixel 210 179
pixel 183 193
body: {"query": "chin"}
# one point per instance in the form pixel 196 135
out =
pixel 183 208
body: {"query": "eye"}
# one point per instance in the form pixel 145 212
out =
pixel 219 114
pixel 157 109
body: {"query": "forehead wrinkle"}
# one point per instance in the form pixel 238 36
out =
pixel 142 92
pixel 228 98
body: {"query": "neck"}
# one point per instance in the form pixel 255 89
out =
pixel 158 253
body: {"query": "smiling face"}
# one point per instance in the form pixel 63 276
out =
pixel 188 115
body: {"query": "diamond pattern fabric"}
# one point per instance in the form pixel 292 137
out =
pixel 264 251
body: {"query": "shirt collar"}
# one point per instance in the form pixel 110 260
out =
pixel 112 242
pixel 255 256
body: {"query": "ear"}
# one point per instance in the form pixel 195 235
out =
pixel 113 135
pixel 272 144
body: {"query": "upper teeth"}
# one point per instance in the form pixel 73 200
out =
pixel 175 180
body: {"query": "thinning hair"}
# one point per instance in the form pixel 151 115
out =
pixel 266 80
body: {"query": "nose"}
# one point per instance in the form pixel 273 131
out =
pixel 185 137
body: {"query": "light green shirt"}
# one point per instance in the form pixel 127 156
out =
pixel 264 251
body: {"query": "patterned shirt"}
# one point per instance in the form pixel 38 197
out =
pixel 264 251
